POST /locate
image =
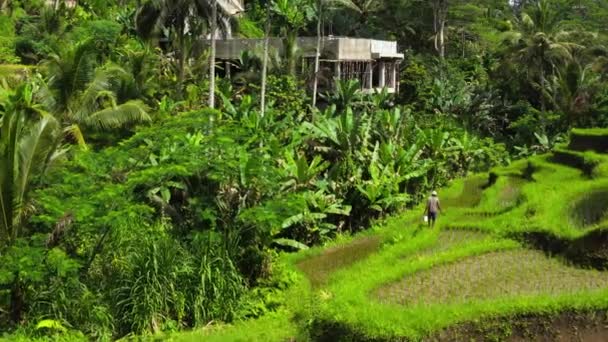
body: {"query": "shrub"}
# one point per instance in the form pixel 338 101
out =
pixel 7 41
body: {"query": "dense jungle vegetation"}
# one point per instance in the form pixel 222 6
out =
pixel 139 196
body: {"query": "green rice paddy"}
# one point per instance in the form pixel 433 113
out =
pixel 511 246
pixel 493 276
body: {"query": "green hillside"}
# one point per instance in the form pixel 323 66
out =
pixel 518 253
pixel 257 170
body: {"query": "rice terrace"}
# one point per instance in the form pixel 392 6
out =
pixel 303 170
pixel 518 274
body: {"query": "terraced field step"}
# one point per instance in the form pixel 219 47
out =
pixel 595 139
pixel 587 161
pixel 569 326
pixel 319 268
pixel 471 194
pixel 449 239
pixel 507 198
pixel 512 273
pixel 591 209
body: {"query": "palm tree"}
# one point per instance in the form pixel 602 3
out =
pixel 141 63
pixel 572 89
pixel 347 93
pixel 83 94
pixel 291 17
pixel 212 30
pixel 265 62
pixel 29 140
pixel 184 19
pixel 440 15
pixel 368 9
pixel 540 46
pixel 323 6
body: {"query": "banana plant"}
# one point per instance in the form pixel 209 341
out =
pixel 467 149
pixel 391 125
pixel 382 189
pixel 347 93
pixel 312 223
pixel 407 162
pixel 300 172
pixel 340 135
pixel 435 143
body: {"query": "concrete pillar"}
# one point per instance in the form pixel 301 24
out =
pixel 382 76
pixel 338 70
pixel 394 68
pixel 396 76
pixel 228 67
pixel 370 80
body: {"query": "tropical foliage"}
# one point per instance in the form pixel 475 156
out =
pixel 133 203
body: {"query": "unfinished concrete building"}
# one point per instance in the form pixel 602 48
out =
pixel 375 63
pixel 56 3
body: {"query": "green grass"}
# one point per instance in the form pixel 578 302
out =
pixel 350 299
pixel 598 132
pixel 273 327
pixel 401 280
pixel 501 197
pixel 471 190
pixel 587 161
pixel 595 139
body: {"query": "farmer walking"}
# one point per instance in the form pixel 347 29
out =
pixel 432 208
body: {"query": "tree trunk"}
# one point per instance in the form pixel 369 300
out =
pixel 291 42
pixel 442 39
pixel 440 12
pixel 181 72
pixel 435 27
pixel 543 105
pixel 317 54
pixel 265 62
pixel 463 44
pixel 17 301
pixel 212 55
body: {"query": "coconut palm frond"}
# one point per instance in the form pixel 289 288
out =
pixel 28 139
pixel 35 149
pixel 74 133
pixel 71 70
pixel 128 113
pixel 332 4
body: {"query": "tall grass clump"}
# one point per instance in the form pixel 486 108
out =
pixel 217 284
pixel 150 293
pixel 163 283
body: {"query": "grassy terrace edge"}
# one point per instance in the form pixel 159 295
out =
pixel 347 311
pixel 343 308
